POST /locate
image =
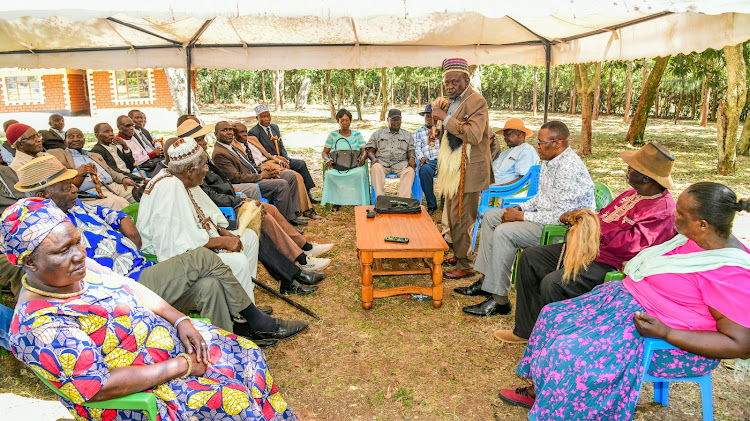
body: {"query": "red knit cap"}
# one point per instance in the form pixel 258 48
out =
pixel 15 131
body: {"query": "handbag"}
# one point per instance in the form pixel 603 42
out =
pixel 390 204
pixel 344 160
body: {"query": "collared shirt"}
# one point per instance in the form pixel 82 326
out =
pixel 144 140
pixel 422 148
pixel 255 153
pixel 113 150
pixel 564 185
pixel 392 148
pixel 99 228
pixel 140 155
pixel 82 158
pixel 514 162
pixel 453 105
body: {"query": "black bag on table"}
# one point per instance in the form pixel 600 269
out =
pixel 345 159
pixel 390 204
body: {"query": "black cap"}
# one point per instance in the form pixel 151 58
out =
pixel 394 112
pixel 427 110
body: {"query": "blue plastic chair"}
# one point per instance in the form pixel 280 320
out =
pixel 530 181
pixel 661 385
pixel 228 213
pixel 416 187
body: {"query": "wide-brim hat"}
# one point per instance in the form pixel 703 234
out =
pixel 515 124
pixel 191 128
pixel 40 172
pixel 653 160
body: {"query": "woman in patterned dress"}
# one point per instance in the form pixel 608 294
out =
pixel 584 354
pixel 96 335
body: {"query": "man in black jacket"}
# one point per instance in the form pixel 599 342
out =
pixel 269 136
pixel 114 151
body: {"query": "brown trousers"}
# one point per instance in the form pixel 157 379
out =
pixel 287 239
pixel 460 230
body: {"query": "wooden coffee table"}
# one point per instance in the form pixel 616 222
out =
pixel 425 244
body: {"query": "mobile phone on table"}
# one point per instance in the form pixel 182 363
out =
pixel 392 239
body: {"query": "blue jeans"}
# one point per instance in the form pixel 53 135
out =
pixel 6 315
pixel 426 176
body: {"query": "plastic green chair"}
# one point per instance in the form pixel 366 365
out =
pixel 143 401
pixel 603 195
pixel 615 275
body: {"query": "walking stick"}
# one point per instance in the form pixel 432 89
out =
pixel 289 301
pixel 97 184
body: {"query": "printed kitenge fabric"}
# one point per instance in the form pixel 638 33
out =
pixel 584 357
pixel 74 344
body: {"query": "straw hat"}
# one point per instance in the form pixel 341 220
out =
pixel 193 129
pixel 515 124
pixel 653 160
pixel 42 171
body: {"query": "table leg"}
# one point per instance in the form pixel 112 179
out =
pixel 365 263
pixel 437 279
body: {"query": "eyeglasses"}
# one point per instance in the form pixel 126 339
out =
pixel 34 137
pixel 540 142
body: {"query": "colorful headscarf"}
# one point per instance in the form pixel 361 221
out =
pixel 456 65
pixel 25 224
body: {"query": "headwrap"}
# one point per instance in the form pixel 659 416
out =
pixel 456 65
pixel 261 108
pixel 25 224
pixel 15 131
pixel 184 150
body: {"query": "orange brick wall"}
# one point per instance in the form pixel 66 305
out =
pixel 103 96
pixel 54 97
pixel 77 88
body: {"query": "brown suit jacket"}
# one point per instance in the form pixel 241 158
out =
pixel 476 133
pixel 232 167
pixel 64 156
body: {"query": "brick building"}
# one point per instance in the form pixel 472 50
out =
pixel 82 92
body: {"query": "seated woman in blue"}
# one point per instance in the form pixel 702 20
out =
pixel 347 187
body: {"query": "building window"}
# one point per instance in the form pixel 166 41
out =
pixel 23 89
pixel 133 84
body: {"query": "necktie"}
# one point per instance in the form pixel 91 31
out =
pixel 268 130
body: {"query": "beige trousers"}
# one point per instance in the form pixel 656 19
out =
pixel 378 173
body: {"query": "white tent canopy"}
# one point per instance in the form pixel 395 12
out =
pixel 324 34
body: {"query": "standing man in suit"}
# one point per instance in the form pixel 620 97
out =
pixel 55 136
pixel 270 137
pixel 465 128
pixel 139 119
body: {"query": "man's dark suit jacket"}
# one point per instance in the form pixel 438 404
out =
pixel 270 146
pixel 148 135
pixel 51 140
pixel 110 160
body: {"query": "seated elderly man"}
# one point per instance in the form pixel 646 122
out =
pixel 513 163
pixel 196 279
pixel 26 141
pixel 145 154
pixel 176 216
pixel 116 187
pixel 55 136
pixel 426 150
pixel 391 151
pixel 641 217
pixel 115 152
pixel 564 185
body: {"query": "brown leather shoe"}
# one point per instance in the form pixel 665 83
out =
pixel 509 337
pixel 451 261
pixel 457 273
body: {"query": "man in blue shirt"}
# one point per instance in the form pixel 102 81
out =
pixel 426 150
pixel 514 162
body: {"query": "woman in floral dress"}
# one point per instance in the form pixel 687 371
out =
pixel 96 335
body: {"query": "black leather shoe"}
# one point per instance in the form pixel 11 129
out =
pixel 265 343
pixel 487 308
pixel 266 309
pixel 313 200
pixel 297 288
pixel 473 290
pixel 285 329
pixel 310 278
pixel 296 222
pixel 431 210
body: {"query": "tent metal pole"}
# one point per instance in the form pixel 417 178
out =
pixel 548 54
pixel 189 55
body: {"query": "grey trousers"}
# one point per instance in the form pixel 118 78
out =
pixel 282 192
pixel 198 279
pixel 250 190
pixel 498 244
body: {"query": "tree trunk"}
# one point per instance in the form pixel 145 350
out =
pixel 743 146
pixel 282 88
pixel 330 96
pixel 572 107
pixel 177 81
pixel 476 78
pixel 536 91
pixel 597 96
pixel 428 91
pixel 645 74
pixel 408 96
pixel 263 85
pixel 714 105
pixel 609 92
pixel 512 86
pixel 242 90
pixel 679 106
pixel 441 90
pixel 213 87
pixel 342 99
pixel 585 85
pixel 384 90
pixel 706 95
pixel 554 90
pixel 419 95
pixel 638 125
pixel 300 102
pixel 276 87
pixel 628 91
pixel 729 115
pixel 656 103
pixel 352 75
